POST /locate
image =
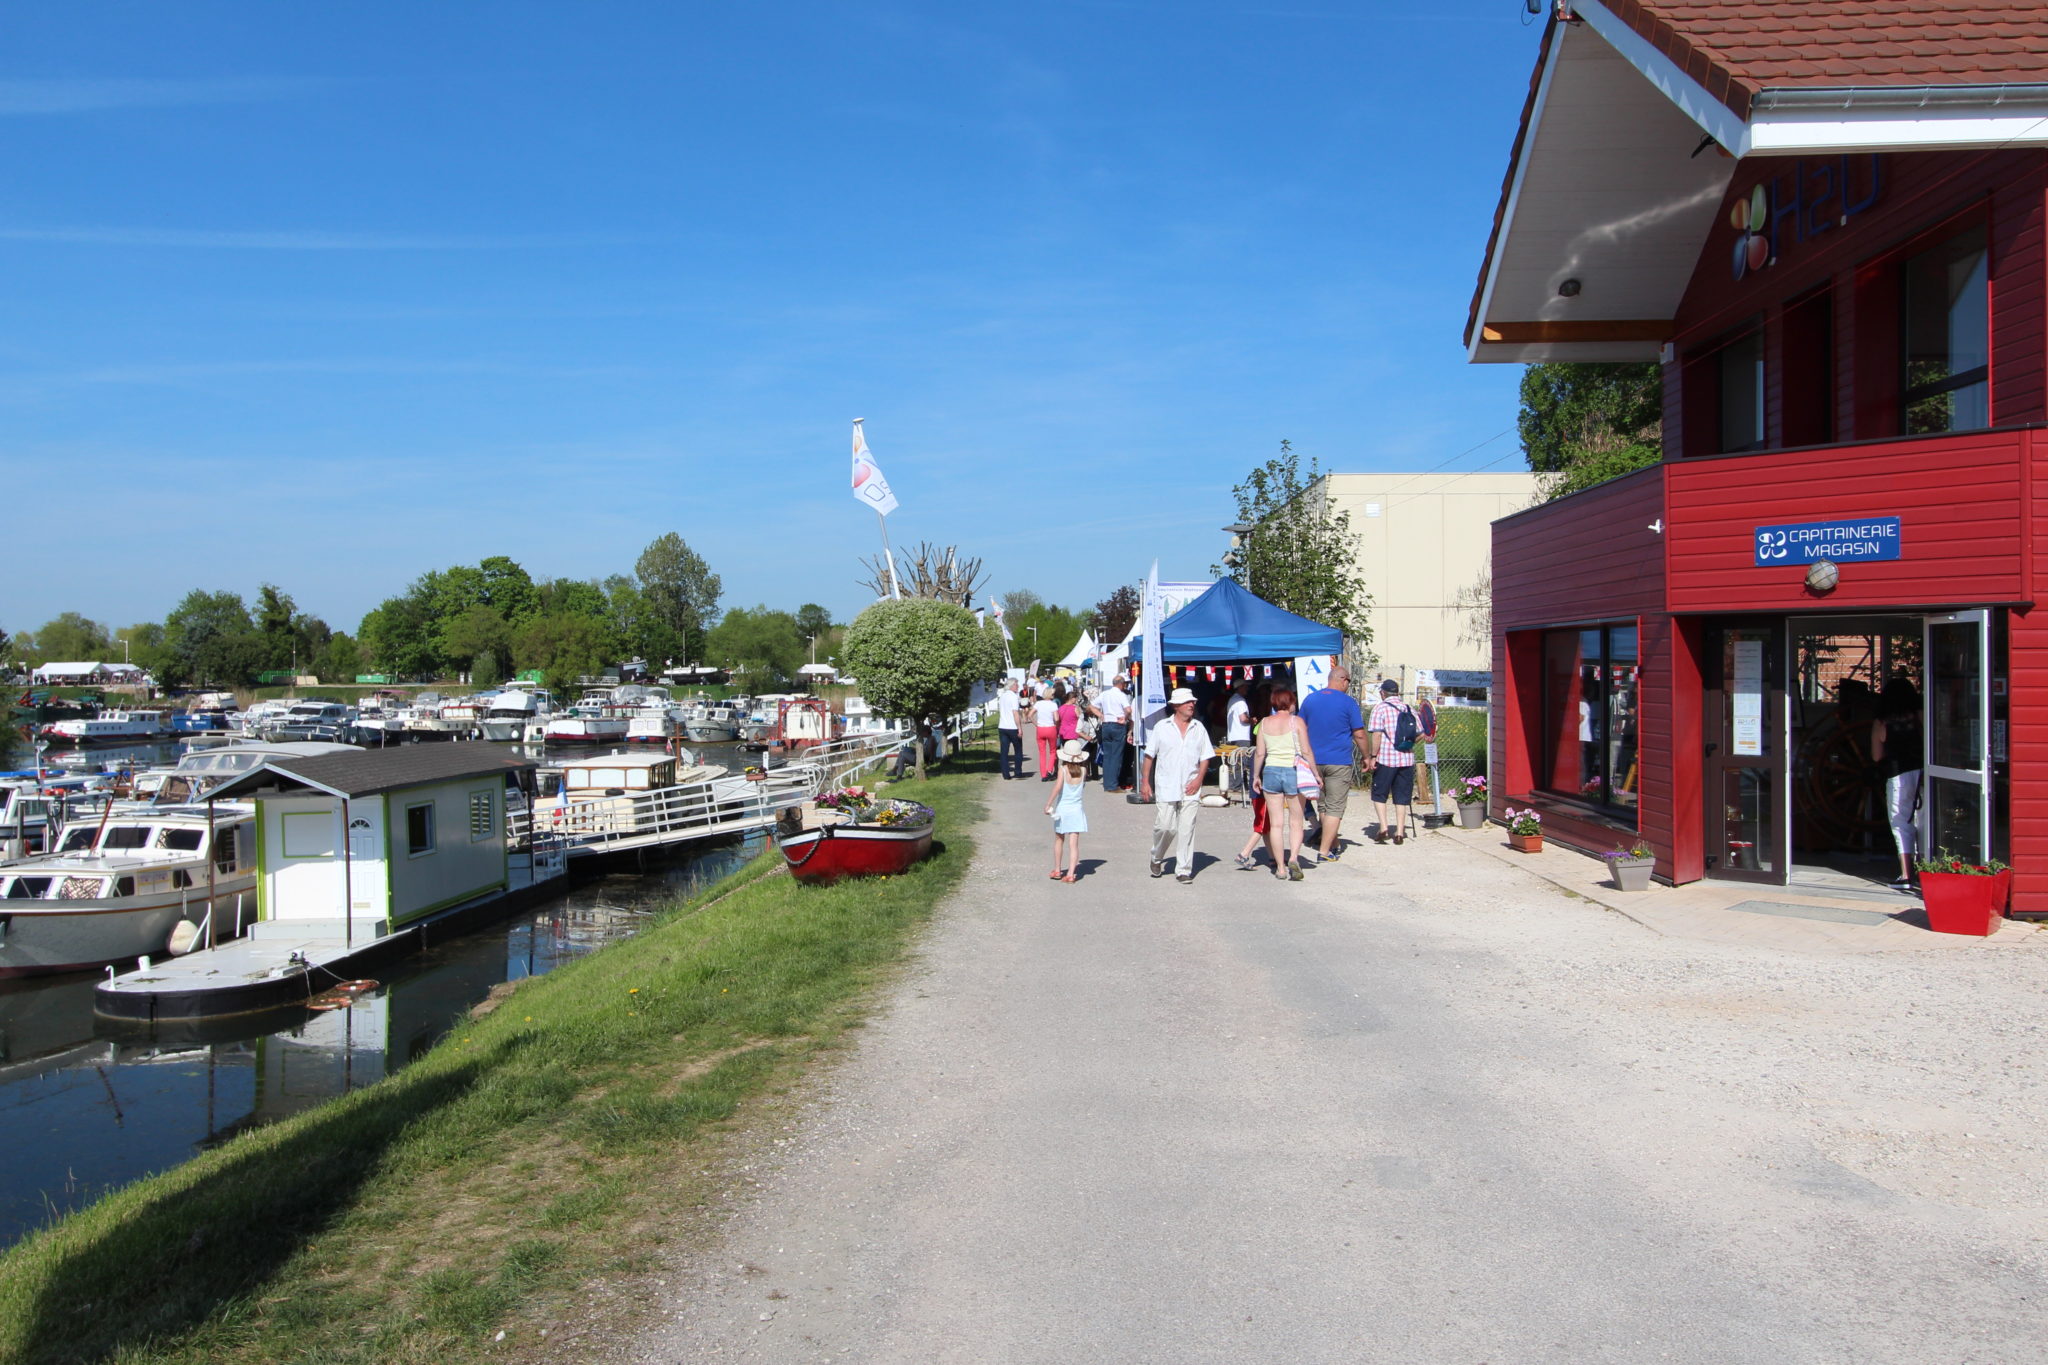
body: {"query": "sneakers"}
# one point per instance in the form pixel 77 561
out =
pixel 1185 878
pixel 1158 868
pixel 1329 857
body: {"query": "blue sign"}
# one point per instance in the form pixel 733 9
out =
pixel 1808 541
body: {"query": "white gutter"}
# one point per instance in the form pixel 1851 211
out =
pixel 1793 121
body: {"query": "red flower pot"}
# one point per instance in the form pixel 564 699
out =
pixel 1526 843
pixel 1958 903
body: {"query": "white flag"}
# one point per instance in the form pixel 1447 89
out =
pixel 996 610
pixel 870 489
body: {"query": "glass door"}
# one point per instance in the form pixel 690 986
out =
pixel 1745 752
pixel 1956 798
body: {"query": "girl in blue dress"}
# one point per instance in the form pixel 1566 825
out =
pixel 1069 820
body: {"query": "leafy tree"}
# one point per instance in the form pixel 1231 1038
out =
pixel 812 619
pixel 398 638
pixel 474 632
pixel 73 638
pixel 210 638
pixel 679 586
pixel 919 659
pixel 484 671
pixel 761 642
pixel 146 649
pixel 1020 600
pixel 573 597
pixel 340 661
pixel 279 623
pixel 1585 424
pixel 1115 615
pixel 563 646
pixel 1300 553
pixel 1057 631
pixel 508 589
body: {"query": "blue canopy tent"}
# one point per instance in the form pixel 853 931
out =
pixel 1226 624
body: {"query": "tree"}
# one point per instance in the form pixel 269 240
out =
pixel 484 671
pixel 918 660
pixel 1115 615
pixel 762 643
pixel 679 586
pixel 1299 553
pixel 340 661
pixel 398 638
pixel 1017 601
pixel 812 620
pixel 211 639
pixel 476 632
pixel 1585 424
pixel 145 641
pixel 563 647
pixel 1047 632
pixel 278 622
pixel 73 638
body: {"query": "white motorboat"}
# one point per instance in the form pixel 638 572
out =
pixel 326 721
pixel 108 727
pixel 120 889
pixel 713 722
pixel 517 714
pixel 596 719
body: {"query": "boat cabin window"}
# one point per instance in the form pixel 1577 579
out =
pixel 184 840
pixel 125 836
pixel 28 888
pixel 124 886
pixel 82 888
pixel 224 850
pixel 77 841
pixel 180 879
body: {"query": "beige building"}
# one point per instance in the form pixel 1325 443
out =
pixel 1423 540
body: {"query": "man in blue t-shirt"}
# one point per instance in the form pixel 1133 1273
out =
pixel 1336 728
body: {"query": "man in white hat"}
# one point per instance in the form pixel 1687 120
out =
pixel 1177 753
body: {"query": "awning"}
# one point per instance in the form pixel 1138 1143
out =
pixel 1227 625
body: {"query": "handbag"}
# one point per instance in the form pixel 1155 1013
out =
pixel 1306 779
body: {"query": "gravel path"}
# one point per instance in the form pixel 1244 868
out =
pixel 1422 1108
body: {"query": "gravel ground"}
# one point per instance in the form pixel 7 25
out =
pixel 1420 1108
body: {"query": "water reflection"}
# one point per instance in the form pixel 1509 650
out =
pixel 87 1106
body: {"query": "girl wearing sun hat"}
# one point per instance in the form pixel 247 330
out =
pixel 1069 820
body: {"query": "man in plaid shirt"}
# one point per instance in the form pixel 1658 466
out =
pixel 1393 772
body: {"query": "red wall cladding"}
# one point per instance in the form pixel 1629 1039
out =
pixel 1958 498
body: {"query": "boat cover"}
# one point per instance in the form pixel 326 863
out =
pixel 1227 624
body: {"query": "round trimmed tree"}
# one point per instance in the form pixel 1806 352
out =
pixel 918 660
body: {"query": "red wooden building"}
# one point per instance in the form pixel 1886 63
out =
pixel 1825 219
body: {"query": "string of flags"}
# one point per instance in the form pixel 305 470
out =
pixel 1219 672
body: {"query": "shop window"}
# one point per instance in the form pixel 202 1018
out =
pixel 1808 367
pixel 1590 717
pixel 1740 372
pixel 1946 332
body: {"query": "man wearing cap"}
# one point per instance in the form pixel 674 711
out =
pixel 1393 770
pixel 1177 753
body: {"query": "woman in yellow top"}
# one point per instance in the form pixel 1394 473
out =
pixel 1283 736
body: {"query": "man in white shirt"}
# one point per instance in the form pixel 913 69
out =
pixel 1237 729
pixel 1115 704
pixel 1177 754
pixel 1009 739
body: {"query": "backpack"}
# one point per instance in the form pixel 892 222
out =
pixel 1406 731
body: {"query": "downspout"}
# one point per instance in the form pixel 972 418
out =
pixel 348 885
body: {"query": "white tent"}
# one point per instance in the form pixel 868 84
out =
pixel 69 673
pixel 1083 650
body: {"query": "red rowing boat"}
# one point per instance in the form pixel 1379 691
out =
pixel 825 846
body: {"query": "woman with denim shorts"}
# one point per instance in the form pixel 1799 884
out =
pixel 1282 739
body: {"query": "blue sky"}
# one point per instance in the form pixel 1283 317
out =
pixel 328 296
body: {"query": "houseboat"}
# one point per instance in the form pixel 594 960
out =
pixel 595 719
pixel 108 727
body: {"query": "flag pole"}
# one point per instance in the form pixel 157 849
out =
pixel 895 588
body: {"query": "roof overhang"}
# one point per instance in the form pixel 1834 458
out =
pixel 1621 166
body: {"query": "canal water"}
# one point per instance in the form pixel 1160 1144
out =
pixel 88 1105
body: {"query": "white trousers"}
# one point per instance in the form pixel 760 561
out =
pixel 1900 795
pixel 1173 834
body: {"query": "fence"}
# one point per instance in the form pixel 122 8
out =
pixel 1460 751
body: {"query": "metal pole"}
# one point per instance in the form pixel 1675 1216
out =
pixel 348 885
pixel 212 862
pixel 895 587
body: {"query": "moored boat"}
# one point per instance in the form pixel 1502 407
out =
pixel 108 727
pixel 595 719
pixel 846 834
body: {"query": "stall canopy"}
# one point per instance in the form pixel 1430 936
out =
pixel 1227 624
pixel 1083 651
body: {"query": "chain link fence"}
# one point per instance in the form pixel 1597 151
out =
pixel 1460 751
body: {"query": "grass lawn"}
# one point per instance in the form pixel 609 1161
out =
pixel 548 1143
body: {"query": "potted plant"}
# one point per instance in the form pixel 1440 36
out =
pixel 1471 798
pixel 1631 865
pixel 1962 897
pixel 1525 830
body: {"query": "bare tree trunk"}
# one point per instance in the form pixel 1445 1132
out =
pixel 924 734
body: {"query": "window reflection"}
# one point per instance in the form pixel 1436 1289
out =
pixel 1591 716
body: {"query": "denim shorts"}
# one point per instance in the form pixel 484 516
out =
pixel 1277 779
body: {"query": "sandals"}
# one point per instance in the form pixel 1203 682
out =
pixel 1069 878
pixel 1057 874
pixel 1244 862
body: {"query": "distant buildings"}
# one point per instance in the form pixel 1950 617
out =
pixel 1423 545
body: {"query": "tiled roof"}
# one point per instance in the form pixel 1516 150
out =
pixel 1735 48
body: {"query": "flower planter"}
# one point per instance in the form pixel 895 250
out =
pixel 1526 843
pixel 1632 874
pixel 1471 816
pixel 1958 903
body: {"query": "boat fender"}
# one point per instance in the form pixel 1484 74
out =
pixel 184 938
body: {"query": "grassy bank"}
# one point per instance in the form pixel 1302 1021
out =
pixel 550 1142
